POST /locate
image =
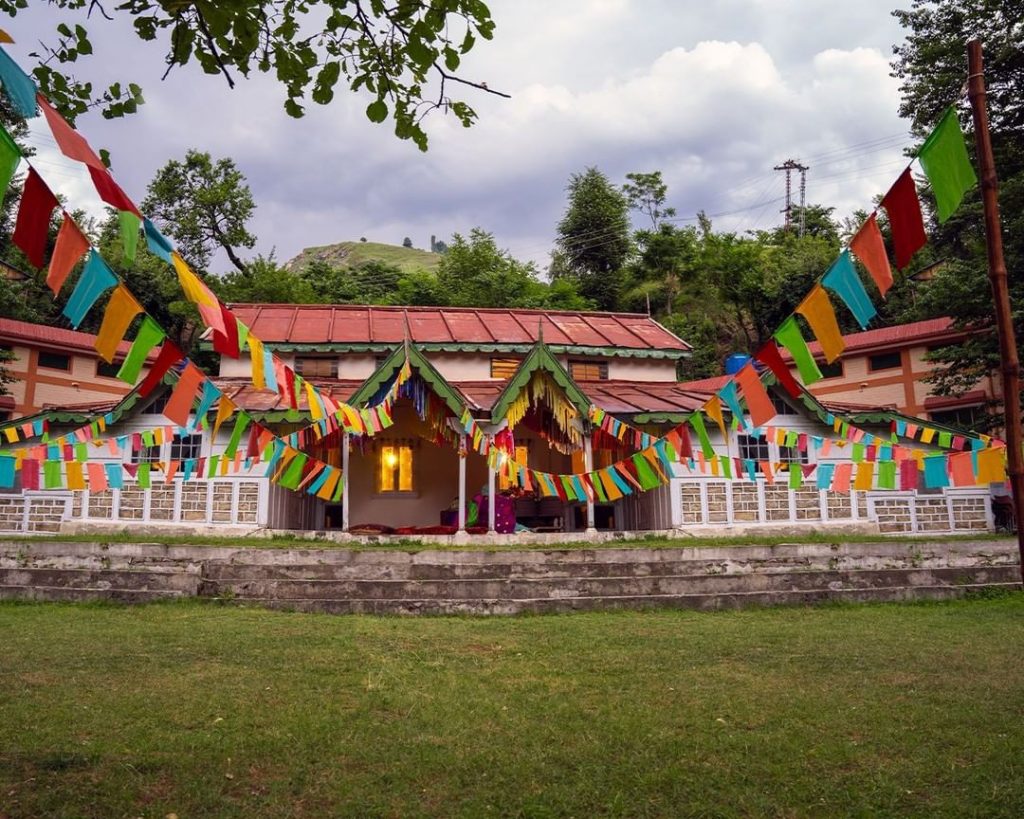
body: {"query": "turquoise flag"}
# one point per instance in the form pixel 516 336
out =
pixel 96 279
pixel 935 476
pixel 19 86
pixel 842 279
pixel 155 241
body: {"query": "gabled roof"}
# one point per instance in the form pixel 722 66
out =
pixel 361 327
pixel 57 338
pixel 539 359
pixel 421 366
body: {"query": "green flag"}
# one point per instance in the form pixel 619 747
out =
pixel 946 164
pixel 697 420
pixel 789 336
pixel 130 224
pixel 10 156
pixel 887 474
pixel 148 337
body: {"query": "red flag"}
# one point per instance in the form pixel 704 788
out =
pixel 71 143
pixel 169 355
pixel 110 192
pixel 227 343
pixel 770 356
pixel 869 247
pixel 905 220
pixel 33 225
pixel 71 246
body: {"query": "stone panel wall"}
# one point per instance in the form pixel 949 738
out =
pixel 776 501
pixel 932 514
pixel 893 514
pixel 691 503
pixel 717 512
pixel 971 513
pixel 744 502
pixel 808 504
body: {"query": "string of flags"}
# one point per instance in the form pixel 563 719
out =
pixel 943 157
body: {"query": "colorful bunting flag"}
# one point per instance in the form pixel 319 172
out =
pixel 110 192
pixel 759 404
pixel 946 164
pixel 96 279
pixel 869 247
pixel 169 355
pixel 789 336
pixel 770 356
pixel 32 228
pixel 71 143
pixel 150 334
pixel 817 309
pixel 10 156
pixel 19 87
pixel 121 311
pixel 70 247
pixel 905 221
pixel 179 405
pixel 842 279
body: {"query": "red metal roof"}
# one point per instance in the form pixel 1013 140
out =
pixel 358 324
pixel 708 385
pixel 43 335
pixel 900 335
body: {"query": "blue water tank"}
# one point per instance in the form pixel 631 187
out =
pixel 735 363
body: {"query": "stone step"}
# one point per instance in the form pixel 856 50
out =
pixel 554 568
pixel 571 587
pixel 174 581
pixel 705 602
pixel 70 594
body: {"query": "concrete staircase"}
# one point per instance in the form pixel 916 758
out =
pixel 508 582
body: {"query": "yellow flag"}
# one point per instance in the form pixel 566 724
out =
pixel 818 311
pixel 865 475
pixel 927 434
pixel 714 410
pixel 256 356
pixel 314 405
pixel 121 309
pixel 991 468
pixel 5 37
pixel 76 480
pixel 195 290
pixel 225 408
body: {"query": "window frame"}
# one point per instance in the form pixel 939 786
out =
pixel 873 368
pixel 378 472
pixel 601 365
pixel 511 363
pixel 300 366
pixel 823 366
pixel 195 438
pixel 41 365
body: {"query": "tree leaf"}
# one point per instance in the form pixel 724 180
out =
pixel 377 111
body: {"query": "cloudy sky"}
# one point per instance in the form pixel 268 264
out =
pixel 712 94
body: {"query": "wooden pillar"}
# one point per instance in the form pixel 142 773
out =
pixel 347 483
pixel 463 454
pixel 491 492
pixel 588 465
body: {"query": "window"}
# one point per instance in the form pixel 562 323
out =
pixel 185 447
pixel 965 418
pixel 753 449
pixel 522 453
pixel 833 370
pixel 588 370
pixel 317 367
pixel 395 469
pixel 105 370
pixel 792 455
pixel 54 361
pixel 147 455
pixel 504 367
pixel 884 361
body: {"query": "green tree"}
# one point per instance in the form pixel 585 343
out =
pixel 203 205
pixel 646 192
pixel 593 242
pixel 404 56
pixel 263 280
pixel 932 68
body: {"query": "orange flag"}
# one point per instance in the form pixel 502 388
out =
pixel 841 477
pixel 759 405
pixel 179 406
pixel 865 475
pixel 869 247
pixel 71 143
pixel 70 247
pixel 121 309
pixel 818 311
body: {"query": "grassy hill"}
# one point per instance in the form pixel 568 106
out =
pixel 353 254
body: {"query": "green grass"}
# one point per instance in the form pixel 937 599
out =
pixel 399 544
pixel 203 710
pixel 353 254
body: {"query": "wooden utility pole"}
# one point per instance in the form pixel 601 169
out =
pixel 1008 357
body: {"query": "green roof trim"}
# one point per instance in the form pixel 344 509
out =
pixel 539 358
pixel 422 366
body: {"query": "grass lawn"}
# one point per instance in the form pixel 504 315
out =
pixel 205 710
pixel 398 544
